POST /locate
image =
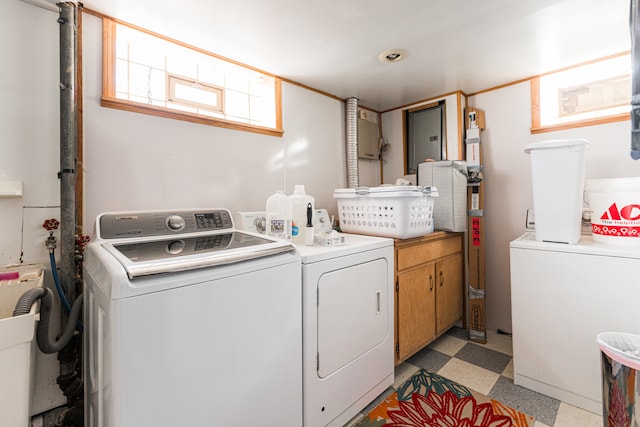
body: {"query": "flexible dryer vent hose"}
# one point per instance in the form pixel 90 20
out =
pixel 352 143
pixel 23 306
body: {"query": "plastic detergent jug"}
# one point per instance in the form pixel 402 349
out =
pixel 301 225
pixel 279 214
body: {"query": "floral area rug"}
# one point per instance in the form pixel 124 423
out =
pixel 430 400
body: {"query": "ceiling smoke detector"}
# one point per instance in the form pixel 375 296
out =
pixel 393 55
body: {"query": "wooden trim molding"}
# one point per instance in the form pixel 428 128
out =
pixel 424 107
pixel 443 96
pixel 279 128
pixel 461 124
pixel 582 123
pixel 405 117
pixel 535 103
pixel 153 110
pixel 79 130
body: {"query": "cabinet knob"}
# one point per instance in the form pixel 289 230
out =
pixel 430 283
pixel 441 279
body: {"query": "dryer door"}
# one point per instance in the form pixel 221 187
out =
pixel 352 313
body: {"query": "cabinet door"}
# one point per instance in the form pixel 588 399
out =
pixel 449 292
pixel 416 309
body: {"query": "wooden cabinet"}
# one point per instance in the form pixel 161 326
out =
pixel 429 273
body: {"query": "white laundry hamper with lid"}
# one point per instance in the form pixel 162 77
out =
pixel 557 178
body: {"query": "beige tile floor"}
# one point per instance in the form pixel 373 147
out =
pixel 443 356
pixel 483 380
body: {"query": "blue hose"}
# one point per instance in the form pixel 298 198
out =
pixel 56 279
pixel 63 297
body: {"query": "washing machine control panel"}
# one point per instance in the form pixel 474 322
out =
pixel 119 225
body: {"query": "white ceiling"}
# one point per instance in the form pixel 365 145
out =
pixel 333 45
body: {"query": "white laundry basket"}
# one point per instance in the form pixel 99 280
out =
pixel 388 211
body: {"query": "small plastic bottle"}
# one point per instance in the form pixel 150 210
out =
pixel 279 214
pixel 300 205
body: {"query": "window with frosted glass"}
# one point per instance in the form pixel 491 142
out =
pixel 155 72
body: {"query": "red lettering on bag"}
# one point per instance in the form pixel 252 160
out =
pixel 475 231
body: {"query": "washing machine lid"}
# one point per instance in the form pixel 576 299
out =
pixel 144 258
pixel 157 242
pixel 587 246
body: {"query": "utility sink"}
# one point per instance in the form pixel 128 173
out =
pixel 17 347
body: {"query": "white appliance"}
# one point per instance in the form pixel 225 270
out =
pixel 190 322
pixel 562 297
pixel 348 329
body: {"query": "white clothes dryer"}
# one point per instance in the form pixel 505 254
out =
pixel 348 327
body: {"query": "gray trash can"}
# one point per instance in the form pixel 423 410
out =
pixel 620 380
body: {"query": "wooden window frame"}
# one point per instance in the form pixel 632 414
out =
pixel 174 80
pixel 536 126
pixel 109 99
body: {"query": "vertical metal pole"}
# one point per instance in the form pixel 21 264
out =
pixel 68 145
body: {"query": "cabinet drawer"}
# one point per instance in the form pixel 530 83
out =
pixel 411 256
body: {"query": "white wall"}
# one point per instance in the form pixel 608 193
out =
pixel 393 159
pixel 135 161
pixel 29 121
pixel 29 152
pixel 507 175
pixel 369 170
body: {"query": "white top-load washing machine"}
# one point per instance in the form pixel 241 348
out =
pixel 348 329
pixel 562 297
pixel 190 322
